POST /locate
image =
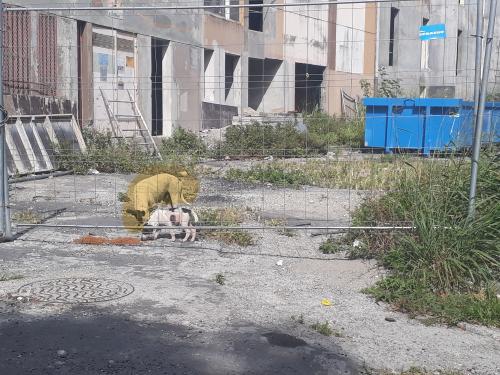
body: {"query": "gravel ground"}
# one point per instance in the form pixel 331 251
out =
pixel 176 319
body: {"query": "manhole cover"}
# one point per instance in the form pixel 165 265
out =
pixel 76 290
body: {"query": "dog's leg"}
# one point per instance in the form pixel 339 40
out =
pixel 185 224
pixel 172 230
pixel 193 234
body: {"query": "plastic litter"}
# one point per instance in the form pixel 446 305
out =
pixel 326 302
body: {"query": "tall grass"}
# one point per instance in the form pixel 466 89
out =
pixel 363 174
pixel 447 258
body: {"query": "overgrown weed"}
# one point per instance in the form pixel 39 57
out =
pixel 361 174
pixel 109 155
pixel 447 260
pixel 227 216
pixel 27 217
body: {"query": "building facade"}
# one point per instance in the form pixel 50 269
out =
pixel 441 68
pixel 195 69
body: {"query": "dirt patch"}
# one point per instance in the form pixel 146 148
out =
pixel 96 240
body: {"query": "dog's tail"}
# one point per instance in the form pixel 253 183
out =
pixel 195 217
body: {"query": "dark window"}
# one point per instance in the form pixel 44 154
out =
pixel 392 27
pixel 158 50
pixel 228 13
pixel 256 16
pixel 47 48
pixel 230 63
pixel 219 11
pixel 308 84
pixel 234 13
pixel 458 65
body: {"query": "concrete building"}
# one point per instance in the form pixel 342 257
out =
pixel 435 68
pixel 194 69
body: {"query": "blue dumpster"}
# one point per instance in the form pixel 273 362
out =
pixel 425 125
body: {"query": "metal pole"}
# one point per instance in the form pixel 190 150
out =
pixel 4 175
pixel 479 53
pixel 480 113
pixel 220 227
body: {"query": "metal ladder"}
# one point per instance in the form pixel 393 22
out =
pixel 131 126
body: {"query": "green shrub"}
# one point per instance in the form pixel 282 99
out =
pixel 325 130
pixel 411 296
pixel 446 254
pixel 330 246
pixel 183 143
pixel 108 155
pixel 285 140
pixel 262 140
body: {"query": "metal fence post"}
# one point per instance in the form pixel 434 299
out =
pixel 480 113
pixel 5 227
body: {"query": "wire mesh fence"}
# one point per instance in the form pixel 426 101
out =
pixel 251 116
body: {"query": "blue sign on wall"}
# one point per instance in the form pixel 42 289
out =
pixel 429 32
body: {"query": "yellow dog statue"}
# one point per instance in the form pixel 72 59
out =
pixel 146 192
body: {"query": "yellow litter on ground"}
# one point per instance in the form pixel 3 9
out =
pixel 326 302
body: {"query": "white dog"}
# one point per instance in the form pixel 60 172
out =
pixel 170 217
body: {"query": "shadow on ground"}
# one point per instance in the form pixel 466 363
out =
pixel 99 342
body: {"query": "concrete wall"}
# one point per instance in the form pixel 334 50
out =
pixel 67 59
pixel 306 34
pixel 143 83
pixel 350 38
pixel 182 26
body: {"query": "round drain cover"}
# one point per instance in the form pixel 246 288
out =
pixel 76 290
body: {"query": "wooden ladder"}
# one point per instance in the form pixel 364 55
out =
pixel 130 126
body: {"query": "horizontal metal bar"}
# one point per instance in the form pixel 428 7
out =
pixel 39 176
pixel 221 227
pixel 193 7
pixel 41 115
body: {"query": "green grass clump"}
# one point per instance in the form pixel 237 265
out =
pixel 27 217
pixel 322 328
pixel 447 261
pixel 228 216
pixel 330 246
pixel 416 298
pixel 272 173
pixel 232 237
pixel 220 279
